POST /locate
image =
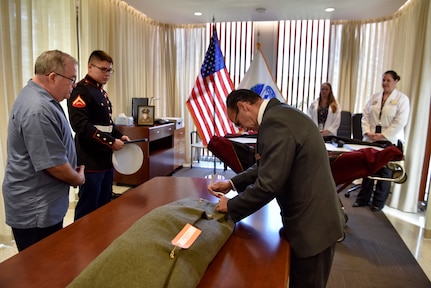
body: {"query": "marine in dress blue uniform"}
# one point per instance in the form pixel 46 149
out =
pixel 90 113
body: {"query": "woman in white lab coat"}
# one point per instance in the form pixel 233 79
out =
pixel 325 111
pixel 384 117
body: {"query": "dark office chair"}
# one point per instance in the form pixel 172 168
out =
pixel 357 126
pixel 357 134
pixel 345 129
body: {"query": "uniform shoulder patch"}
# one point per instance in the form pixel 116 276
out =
pixel 79 102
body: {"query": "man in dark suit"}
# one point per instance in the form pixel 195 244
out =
pixel 293 167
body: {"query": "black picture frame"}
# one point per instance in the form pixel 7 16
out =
pixel 135 103
pixel 145 115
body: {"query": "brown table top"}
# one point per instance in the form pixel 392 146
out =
pixel 254 256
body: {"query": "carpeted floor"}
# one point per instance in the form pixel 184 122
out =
pixel 372 255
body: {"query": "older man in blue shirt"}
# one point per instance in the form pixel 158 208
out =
pixel 41 157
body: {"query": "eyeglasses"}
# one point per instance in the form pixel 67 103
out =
pixel 103 69
pixel 73 80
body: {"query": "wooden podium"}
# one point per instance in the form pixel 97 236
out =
pixel 158 152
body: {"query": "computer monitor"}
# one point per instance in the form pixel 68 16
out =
pixel 135 103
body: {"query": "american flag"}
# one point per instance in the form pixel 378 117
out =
pixel 207 101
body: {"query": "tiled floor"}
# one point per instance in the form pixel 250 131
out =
pixel 410 226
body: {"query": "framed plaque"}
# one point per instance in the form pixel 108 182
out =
pixel 145 115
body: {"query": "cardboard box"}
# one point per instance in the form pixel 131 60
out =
pixel 178 121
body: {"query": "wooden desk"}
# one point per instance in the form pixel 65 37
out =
pixel 254 256
pixel 158 152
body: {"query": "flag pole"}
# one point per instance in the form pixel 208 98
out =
pixel 213 75
pixel 214 115
pixel 214 175
pixel 214 127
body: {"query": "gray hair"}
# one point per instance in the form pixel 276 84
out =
pixel 52 61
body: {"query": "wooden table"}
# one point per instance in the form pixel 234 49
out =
pixel 254 256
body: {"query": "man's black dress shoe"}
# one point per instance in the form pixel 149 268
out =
pixel 376 209
pixel 115 195
pixel 356 204
pixel 283 233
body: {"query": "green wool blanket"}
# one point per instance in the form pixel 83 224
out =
pixel 140 257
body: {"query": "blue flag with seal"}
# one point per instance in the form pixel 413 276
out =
pixel 259 78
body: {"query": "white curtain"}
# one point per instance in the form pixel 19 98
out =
pixel 190 50
pixel 138 47
pixel 363 51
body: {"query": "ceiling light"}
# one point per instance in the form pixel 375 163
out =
pixel 198 13
pixel 330 9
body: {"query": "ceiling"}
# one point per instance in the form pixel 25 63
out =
pixel 181 11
